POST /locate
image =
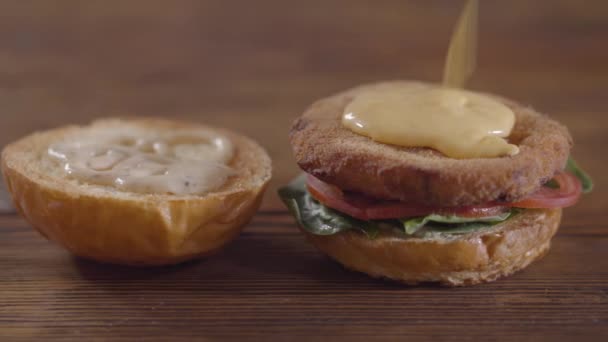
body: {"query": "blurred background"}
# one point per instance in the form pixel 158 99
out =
pixel 253 66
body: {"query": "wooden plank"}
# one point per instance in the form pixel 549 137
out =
pixel 269 281
pixel 253 67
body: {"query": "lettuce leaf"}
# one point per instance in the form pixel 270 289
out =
pixel 583 177
pixel 452 224
pixel 318 219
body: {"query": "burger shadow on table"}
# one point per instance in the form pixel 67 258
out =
pixel 251 257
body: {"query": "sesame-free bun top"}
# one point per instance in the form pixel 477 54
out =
pixel 111 225
pixel 326 149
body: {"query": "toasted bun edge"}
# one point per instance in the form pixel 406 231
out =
pixel 470 259
pixel 133 230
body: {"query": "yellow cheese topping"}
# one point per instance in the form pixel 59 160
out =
pixel 457 123
pixel 137 160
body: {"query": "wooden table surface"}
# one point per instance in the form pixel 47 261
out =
pixel 253 66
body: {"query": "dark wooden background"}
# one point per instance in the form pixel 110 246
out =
pixel 253 66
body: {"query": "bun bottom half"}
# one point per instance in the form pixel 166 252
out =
pixel 456 260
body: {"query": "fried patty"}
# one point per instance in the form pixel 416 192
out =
pixel 336 155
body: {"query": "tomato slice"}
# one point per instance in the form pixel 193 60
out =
pixel 366 208
pixel 333 197
pixel 566 195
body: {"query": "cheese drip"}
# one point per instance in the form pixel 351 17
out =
pixel 461 60
pixel 458 123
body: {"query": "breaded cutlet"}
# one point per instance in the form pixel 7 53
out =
pixel 326 149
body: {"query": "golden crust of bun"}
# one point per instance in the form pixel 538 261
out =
pixel 454 261
pixel 108 225
pixel 334 154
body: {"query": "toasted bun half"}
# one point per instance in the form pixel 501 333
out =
pixel 336 155
pixel 469 259
pixel 108 225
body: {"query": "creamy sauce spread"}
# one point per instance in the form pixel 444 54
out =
pixel 457 123
pixel 179 163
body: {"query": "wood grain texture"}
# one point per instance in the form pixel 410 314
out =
pixel 254 66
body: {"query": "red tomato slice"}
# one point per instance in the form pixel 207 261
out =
pixel 566 195
pixel 333 197
pixel 366 208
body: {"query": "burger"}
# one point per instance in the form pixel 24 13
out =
pixel 398 183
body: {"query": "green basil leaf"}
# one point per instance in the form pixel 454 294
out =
pixel 586 181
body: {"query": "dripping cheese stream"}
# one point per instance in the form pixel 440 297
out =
pixel 458 123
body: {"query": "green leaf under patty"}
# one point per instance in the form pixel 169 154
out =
pixel 318 219
pixel 586 181
pixel 451 223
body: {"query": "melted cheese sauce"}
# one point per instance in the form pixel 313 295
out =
pixel 151 163
pixel 457 123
